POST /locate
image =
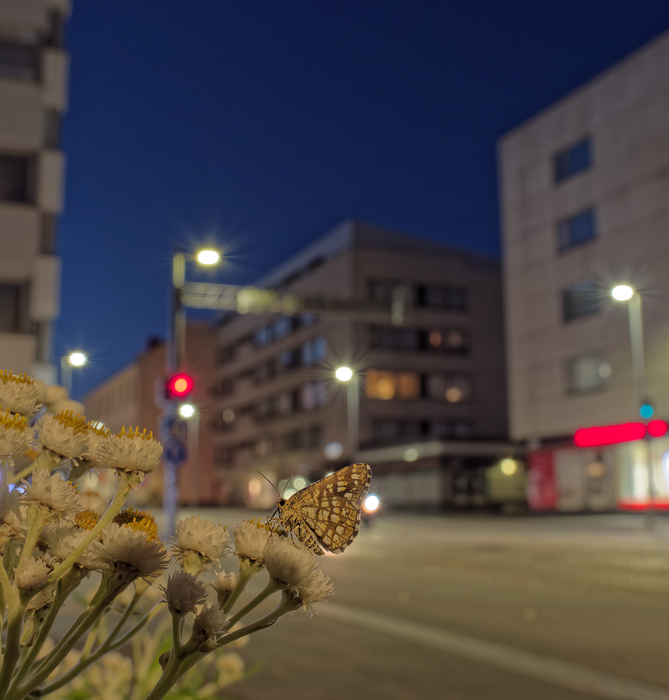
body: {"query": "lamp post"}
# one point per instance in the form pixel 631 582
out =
pixel 625 293
pixel 347 376
pixel 75 358
pixel 177 349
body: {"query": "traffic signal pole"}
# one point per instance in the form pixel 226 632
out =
pixel 174 363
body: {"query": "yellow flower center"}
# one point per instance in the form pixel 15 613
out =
pixel 76 423
pixel 135 433
pixel 86 519
pixel 6 375
pixel 138 520
pixel 12 421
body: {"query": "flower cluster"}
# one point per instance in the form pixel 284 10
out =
pixel 52 538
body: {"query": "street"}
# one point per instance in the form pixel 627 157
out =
pixel 468 607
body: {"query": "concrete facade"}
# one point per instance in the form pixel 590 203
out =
pixel 584 193
pixel 129 398
pixel 33 95
pixel 438 376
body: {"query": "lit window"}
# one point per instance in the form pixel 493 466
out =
pixel 450 340
pixel 282 327
pixel 587 373
pixel 577 230
pixel 454 388
pixel 581 299
pixel 572 160
pixel 392 385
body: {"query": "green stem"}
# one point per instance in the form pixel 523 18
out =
pixel 97 654
pixel 126 483
pixel 22 474
pixel 37 519
pixel 245 575
pixel 271 587
pixel 115 586
pixel 65 586
pixel 12 648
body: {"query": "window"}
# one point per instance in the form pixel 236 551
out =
pixel 289 358
pixel 313 395
pixel 51 128
pixel 392 385
pixel 581 299
pixel 587 373
pixel 282 327
pixel 577 229
pixel 391 338
pixel 14 178
pixel 313 351
pixel 48 234
pixel 19 61
pixel 451 340
pixel 263 336
pixel 313 437
pixel 451 387
pixel 572 160
pixel 10 305
pixel 381 291
pixel 434 296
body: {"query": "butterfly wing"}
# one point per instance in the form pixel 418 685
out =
pixel 330 509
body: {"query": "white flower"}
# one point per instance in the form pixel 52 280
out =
pixel 66 434
pixel 95 437
pixel 15 435
pixel 43 598
pixel 286 562
pixel 314 588
pixel 12 517
pixel 32 574
pixel 224 585
pixel 250 539
pixel 59 497
pixel 184 592
pixel 18 393
pixel 125 548
pixel 201 536
pixel 133 451
pixel 62 539
pixel 209 620
pixel 50 394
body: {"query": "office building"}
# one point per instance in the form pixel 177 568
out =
pixel 429 392
pixel 33 95
pixel 584 199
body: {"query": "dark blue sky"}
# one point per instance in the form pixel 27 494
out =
pixel 261 124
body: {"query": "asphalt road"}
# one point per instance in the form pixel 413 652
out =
pixel 466 608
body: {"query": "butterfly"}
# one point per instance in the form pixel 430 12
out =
pixel 325 516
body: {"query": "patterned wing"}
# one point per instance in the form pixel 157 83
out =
pixel 329 510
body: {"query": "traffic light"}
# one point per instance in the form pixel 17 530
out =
pixel 178 386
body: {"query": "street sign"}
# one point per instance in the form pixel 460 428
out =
pixel 175 451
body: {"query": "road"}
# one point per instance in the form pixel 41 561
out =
pixel 473 607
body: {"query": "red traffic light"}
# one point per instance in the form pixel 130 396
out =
pixel 178 386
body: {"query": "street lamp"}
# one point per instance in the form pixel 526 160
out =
pixel 626 293
pixel 75 358
pixel 347 376
pixel 186 410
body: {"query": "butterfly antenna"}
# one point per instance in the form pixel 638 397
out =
pixel 270 483
pixel 290 478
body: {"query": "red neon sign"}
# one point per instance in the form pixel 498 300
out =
pixel 613 434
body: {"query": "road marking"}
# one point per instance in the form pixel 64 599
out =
pixel 544 668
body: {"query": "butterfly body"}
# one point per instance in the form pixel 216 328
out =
pixel 326 515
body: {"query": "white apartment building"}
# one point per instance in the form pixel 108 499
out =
pixel 33 98
pixel 585 205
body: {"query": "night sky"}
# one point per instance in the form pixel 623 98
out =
pixel 259 125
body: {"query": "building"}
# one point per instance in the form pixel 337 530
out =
pixel 132 397
pixel 584 197
pixel 33 95
pixel 430 393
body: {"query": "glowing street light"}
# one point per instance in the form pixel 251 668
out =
pixel 186 410
pixel 344 374
pixel 76 358
pixel 622 292
pixel 208 256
